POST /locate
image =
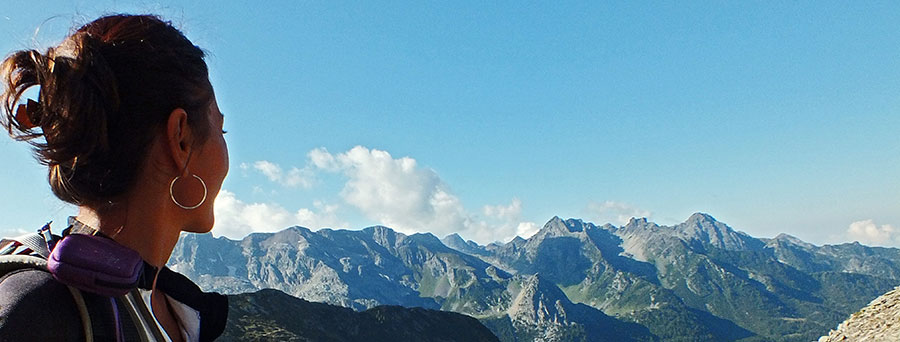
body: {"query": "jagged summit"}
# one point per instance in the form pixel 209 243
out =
pixel 426 239
pixel 453 237
pixel 557 227
pixel 637 220
pixel 539 301
pixel 382 233
pixel 266 235
pixel 701 217
pixel 637 224
pixel 792 240
pixel 456 242
pixel 705 229
pixel 380 229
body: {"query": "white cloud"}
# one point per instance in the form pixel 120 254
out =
pixel 320 158
pixel 235 219
pixel 614 212
pixel 513 210
pixel 400 194
pixel 10 232
pixel 509 219
pixel 868 233
pixel 269 169
pixel 527 229
pixel 325 216
pixel 302 178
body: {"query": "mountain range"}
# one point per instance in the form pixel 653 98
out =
pixel 573 280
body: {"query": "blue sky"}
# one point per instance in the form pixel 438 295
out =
pixel 489 119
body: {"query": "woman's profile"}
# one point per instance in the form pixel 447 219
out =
pixel 127 123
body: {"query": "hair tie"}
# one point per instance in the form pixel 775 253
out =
pixel 24 113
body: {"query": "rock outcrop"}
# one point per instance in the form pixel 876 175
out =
pixel 879 321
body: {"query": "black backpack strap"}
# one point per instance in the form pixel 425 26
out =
pixel 9 263
pixel 129 327
pixel 112 319
pixel 144 322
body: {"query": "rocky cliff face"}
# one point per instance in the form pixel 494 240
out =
pixel 542 312
pixel 697 281
pixel 876 322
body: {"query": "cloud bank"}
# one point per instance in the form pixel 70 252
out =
pixel 394 192
pixel 869 233
pixel 400 194
pixel 614 212
pixel 295 178
pixel 236 219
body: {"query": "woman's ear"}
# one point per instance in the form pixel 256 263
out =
pixel 179 138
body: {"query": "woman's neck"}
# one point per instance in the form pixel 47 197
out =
pixel 147 230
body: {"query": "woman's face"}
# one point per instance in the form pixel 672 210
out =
pixel 210 162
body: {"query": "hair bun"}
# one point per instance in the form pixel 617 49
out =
pixel 103 92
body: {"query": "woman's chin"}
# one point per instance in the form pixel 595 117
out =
pixel 198 230
pixel 200 226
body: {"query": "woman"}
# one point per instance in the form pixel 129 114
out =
pixel 128 125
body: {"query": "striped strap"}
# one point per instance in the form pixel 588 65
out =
pixel 26 244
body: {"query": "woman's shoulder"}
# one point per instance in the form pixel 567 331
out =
pixel 35 307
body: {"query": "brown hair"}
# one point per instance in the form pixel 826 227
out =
pixel 104 93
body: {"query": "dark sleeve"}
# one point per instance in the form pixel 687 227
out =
pixel 35 307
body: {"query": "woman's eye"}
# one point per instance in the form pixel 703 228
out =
pixel 224 132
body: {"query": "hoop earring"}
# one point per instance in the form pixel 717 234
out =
pixel 182 206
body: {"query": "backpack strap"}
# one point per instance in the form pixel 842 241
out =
pixel 31 251
pixel 34 241
pixel 9 263
pixel 140 314
pixel 83 311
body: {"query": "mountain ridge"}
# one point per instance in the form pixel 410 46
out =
pixel 700 280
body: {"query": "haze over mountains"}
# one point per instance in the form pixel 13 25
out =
pixel 573 280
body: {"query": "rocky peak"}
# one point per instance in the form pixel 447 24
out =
pixel 703 228
pixel 427 240
pixel 575 225
pixel 454 241
pixel 789 239
pixel 514 245
pixel 558 227
pixel 384 236
pixel 637 224
pixel 701 218
pixel 293 237
pixel 539 301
